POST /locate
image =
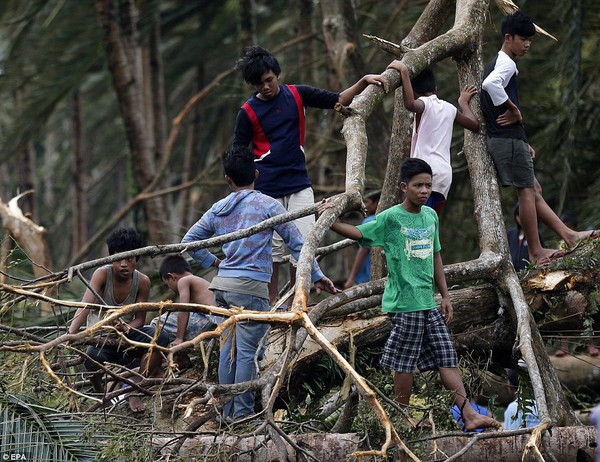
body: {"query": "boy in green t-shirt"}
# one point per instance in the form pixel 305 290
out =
pixel 419 338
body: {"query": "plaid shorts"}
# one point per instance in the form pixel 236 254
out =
pixel 418 339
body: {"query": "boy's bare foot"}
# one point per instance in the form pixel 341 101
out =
pixel 582 236
pixel 593 351
pixel 560 353
pixel 135 404
pixel 481 421
pixel 547 255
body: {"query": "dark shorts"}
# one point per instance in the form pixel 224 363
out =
pixel 513 162
pixel 436 201
pixel 124 353
pixel 418 339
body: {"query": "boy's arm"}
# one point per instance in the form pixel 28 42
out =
pixel 467 119
pixel 408 95
pixel 440 282
pixel 97 283
pixel 184 289
pixel 348 94
pixel 198 232
pixel 494 85
pixel 361 256
pixel 343 229
pixel 142 297
pixel 243 131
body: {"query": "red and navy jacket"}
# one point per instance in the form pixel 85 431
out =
pixel 276 129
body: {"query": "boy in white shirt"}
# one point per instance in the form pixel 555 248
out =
pixel 508 145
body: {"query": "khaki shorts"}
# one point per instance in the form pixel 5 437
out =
pixel 513 162
pixel 293 202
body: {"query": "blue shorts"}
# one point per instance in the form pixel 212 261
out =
pixel 436 201
pixel 197 324
pixel 418 339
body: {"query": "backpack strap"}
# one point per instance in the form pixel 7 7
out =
pixel 261 144
pixel 301 116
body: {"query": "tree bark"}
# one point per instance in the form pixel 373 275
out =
pixel 343 46
pixel 333 446
pixel 79 176
pixel 567 445
pixel 30 236
pixel 123 55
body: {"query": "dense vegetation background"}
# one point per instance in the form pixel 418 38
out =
pixel 62 133
pixel 72 105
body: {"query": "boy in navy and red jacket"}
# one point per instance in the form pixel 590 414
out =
pixel 273 121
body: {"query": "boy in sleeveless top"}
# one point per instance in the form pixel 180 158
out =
pixel 119 284
pixel 432 128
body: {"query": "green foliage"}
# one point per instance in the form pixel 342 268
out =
pixel 32 432
pixel 126 443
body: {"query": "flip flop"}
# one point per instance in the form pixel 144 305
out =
pixel 553 256
pixel 594 233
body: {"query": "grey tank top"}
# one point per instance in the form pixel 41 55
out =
pixel 109 297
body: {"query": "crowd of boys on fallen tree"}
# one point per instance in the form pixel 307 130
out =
pixel 272 179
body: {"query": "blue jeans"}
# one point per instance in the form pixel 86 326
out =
pixel 236 359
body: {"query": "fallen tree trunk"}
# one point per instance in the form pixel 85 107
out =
pixel 567 444
pixel 561 298
pixel 322 446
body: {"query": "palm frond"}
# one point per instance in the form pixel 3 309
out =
pixel 32 432
pixel 508 7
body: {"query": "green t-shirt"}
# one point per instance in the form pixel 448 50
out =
pixel 409 241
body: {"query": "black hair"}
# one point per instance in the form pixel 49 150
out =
pixel 255 63
pixel 424 82
pixel 512 377
pixel 374 195
pixel 518 23
pixel 412 167
pixel 516 217
pixel 238 164
pixel 124 239
pixel 173 264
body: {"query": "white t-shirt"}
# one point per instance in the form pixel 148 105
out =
pixel 497 80
pixel 432 138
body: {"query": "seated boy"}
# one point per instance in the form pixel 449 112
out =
pixel 119 284
pixel 178 327
pixel 243 276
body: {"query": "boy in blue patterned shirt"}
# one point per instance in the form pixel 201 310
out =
pixel 245 272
